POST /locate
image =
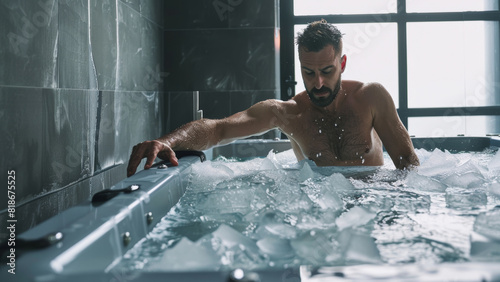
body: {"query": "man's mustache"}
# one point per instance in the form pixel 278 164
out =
pixel 321 90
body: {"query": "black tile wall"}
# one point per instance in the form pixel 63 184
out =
pixel 81 82
pixel 225 49
pixel 220 59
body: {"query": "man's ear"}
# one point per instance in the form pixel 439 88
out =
pixel 343 61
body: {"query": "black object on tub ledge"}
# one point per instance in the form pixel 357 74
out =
pixel 107 194
pixel 181 154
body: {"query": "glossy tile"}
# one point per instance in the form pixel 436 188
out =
pixel 29 32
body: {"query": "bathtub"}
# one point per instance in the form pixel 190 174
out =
pixel 88 240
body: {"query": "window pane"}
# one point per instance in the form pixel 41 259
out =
pixel 446 126
pixel 336 7
pixel 452 64
pixel 450 5
pixel 372 55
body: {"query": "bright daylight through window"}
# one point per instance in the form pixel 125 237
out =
pixel 439 59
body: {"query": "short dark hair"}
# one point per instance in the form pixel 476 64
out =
pixel 317 35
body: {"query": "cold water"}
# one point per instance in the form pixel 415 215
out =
pixel 274 212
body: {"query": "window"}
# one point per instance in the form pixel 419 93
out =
pixel 439 59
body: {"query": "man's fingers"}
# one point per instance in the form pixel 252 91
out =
pixel 173 158
pixel 135 159
pixel 151 156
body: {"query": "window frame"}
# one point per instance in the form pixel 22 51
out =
pixel 288 20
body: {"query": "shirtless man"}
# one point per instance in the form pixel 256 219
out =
pixel 333 122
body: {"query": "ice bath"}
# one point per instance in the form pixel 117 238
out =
pixel 276 213
pixel 283 221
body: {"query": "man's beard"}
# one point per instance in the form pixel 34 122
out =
pixel 324 101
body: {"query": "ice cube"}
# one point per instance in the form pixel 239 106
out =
pixel 317 247
pixel 269 163
pixel 229 200
pixel 358 247
pixel 438 163
pixel 306 172
pixel 286 158
pixel 356 216
pixel 187 256
pixel 494 188
pixel 494 163
pixel 424 183
pixel 276 247
pixel 466 180
pixel 488 224
pixel 412 202
pixel 458 198
pixel 230 238
pixel 322 194
pixel 274 223
pixel 340 183
pixel 483 247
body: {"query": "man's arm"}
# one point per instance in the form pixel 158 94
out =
pixel 390 129
pixel 205 133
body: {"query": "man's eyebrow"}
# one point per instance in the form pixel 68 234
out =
pixel 327 67
pixel 323 69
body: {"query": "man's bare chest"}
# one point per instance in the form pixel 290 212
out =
pixel 332 139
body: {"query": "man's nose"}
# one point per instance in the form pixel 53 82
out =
pixel 318 82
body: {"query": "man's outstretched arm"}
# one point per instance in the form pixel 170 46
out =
pixel 205 133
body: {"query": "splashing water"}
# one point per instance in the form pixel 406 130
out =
pixel 274 212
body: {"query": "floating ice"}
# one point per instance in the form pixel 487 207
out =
pixel 276 247
pixel 483 247
pixel 494 188
pixel 306 172
pixel 229 200
pixel 358 247
pixel 317 247
pixel 356 216
pixel 229 238
pixel 466 180
pixel 458 198
pixel 488 224
pixel 424 183
pixel 322 194
pixel 494 163
pixel 339 182
pixel 412 202
pixel 187 256
pixel 277 211
pixel 439 163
